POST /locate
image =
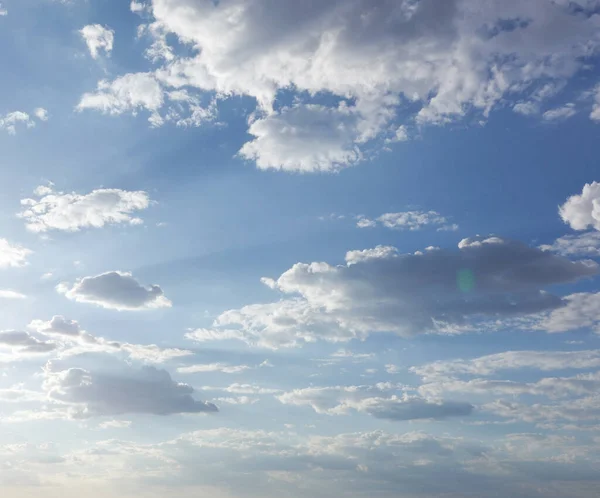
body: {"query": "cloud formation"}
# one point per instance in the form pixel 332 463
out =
pixel 381 290
pixel 12 255
pixel 408 220
pixel 115 290
pixel 372 61
pixel 380 401
pixel 148 390
pixel 71 211
pixel 98 38
pixel 582 211
pixel 585 245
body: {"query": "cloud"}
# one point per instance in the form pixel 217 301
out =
pixel 20 344
pixel 72 212
pixel 129 93
pixel 3 11
pixel 10 294
pixel 581 311
pixel 213 367
pixel 41 114
pixel 115 424
pixel 408 220
pixel 560 113
pixel 595 114
pixel 445 63
pixel 383 291
pixel 379 401
pixel 510 360
pixel 583 211
pixel 586 244
pixel 115 290
pixel 12 255
pixel 10 121
pixel 74 340
pixel 304 138
pixel 148 390
pixel 137 7
pixel 98 38
pixel 243 389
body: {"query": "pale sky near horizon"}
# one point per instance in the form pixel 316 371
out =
pixel 282 249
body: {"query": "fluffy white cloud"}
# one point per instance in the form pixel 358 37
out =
pixel 41 114
pixel 115 290
pixel 131 92
pixel 560 113
pixel 12 255
pixel 137 7
pixel 586 244
pixel 465 57
pixel 582 211
pixel 510 360
pixel 408 220
pixel 381 290
pixel 11 294
pixel 98 38
pixel 381 401
pixel 72 212
pixel 148 390
pixel 304 138
pixel 10 121
pixel 16 344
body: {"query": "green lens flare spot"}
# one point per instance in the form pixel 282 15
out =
pixel 465 280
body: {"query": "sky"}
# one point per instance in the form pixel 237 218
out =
pixel 278 249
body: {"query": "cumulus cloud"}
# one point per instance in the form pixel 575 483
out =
pixel 304 138
pixel 510 360
pixel 408 220
pixel 585 244
pixel 98 38
pixel 72 212
pixel 464 58
pixel 12 255
pixel 11 120
pixel 129 93
pixel 582 211
pixel 115 290
pixel 379 401
pixel 41 114
pixel 148 390
pixel 383 291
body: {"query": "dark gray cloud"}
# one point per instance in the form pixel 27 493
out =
pixel 148 390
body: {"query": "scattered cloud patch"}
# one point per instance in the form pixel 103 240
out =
pixel 584 245
pixel 115 290
pixel 408 220
pixel 560 113
pixel 12 255
pixel 98 39
pixel 214 367
pixel 11 294
pixel 582 211
pixel 72 212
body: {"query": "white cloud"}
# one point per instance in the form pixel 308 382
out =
pixel 545 361
pixel 526 108
pixel 115 424
pixel 11 294
pixel 583 211
pixel 12 255
pixel 408 220
pixel 3 11
pixel 380 401
pixel 41 114
pixel 137 7
pixel 582 310
pixel 586 244
pixel 128 93
pixel 304 138
pixel 560 113
pixel 10 121
pixel 595 114
pixel 213 367
pixel 400 135
pixel 16 345
pixel 115 290
pixel 380 290
pixel 98 38
pixel 464 58
pixel 243 389
pixel 148 390
pixel 72 212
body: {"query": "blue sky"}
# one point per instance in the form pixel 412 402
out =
pixel 274 249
